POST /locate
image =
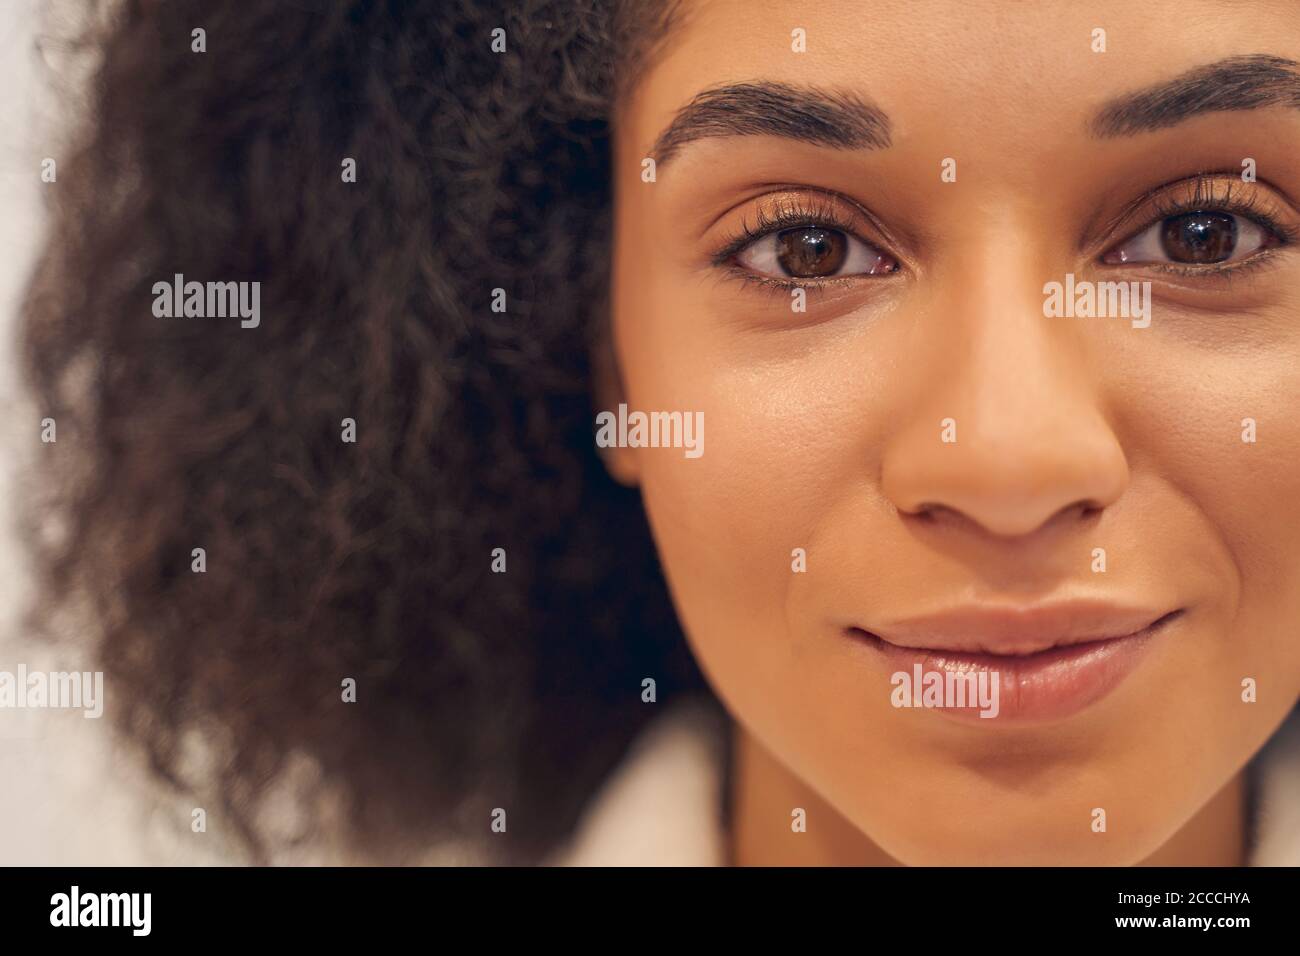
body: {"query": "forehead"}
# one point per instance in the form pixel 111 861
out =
pixel 985 74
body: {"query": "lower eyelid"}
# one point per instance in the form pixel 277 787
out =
pixel 1222 272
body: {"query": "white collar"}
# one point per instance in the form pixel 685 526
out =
pixel 1277 798
pixel 661 806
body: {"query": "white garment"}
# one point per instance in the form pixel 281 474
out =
pixel 662 805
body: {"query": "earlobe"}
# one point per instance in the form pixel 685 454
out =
pixel 620 464
pixel 607 390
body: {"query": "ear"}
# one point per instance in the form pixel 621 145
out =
pixel 607 388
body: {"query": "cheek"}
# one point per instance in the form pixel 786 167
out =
pixel 1222 433
pixel 784 450
pixel 790 453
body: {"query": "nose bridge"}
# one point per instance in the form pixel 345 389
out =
pixel 1007 427
pixel 1018 382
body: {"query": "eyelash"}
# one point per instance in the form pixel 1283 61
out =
pixel 1203 199
pixel 792 214
pixel 798 214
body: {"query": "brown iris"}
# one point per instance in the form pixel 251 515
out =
pixel 811 252
pixel 1199 237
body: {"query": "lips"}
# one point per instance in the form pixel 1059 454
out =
pixel 1050 661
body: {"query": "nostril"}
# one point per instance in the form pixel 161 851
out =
pixel 925 511
pixel 1089 509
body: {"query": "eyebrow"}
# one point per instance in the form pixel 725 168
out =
pixel 835 118
pixel 1233 84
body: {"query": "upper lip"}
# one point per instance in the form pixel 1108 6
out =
pixel 1018 629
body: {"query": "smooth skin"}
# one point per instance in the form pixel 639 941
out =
pixel 824 427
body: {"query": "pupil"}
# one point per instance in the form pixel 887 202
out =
pixel 1199 237
pixel 810 252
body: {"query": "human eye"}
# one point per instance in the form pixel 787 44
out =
pixel 1204 225
pixel 800 241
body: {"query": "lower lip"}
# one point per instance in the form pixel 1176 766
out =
pixel 1049 685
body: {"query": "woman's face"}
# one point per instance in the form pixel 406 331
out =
pixel 978 486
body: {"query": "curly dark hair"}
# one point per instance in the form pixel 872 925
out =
pixel 475 171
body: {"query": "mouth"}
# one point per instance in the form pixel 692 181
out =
pixel 1028 664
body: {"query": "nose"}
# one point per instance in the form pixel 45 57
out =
pixel 1004 425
